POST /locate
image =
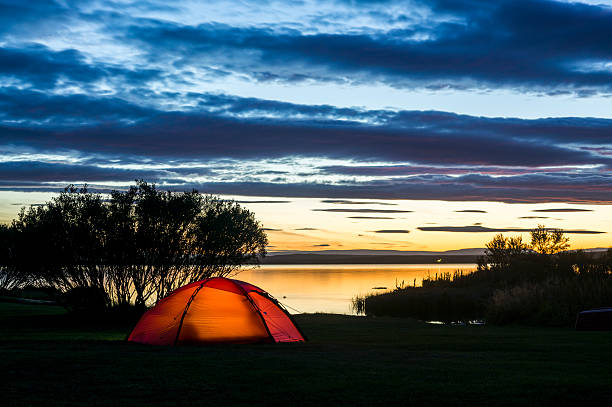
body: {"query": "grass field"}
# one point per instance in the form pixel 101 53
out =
pixel 48 358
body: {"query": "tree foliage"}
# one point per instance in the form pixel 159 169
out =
pixel 548 241
pixel 11 276
pixel 133 248
pixel 504 253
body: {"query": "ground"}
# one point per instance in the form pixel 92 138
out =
pixel 48 358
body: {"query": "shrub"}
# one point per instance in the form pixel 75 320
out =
pixel 512 284
pixel 555 301
pixel 429 304
pixel 132 249
pixel 85 300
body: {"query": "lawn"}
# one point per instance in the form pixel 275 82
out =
pixel 48 358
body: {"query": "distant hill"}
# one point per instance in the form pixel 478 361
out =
pixel 367 259
pixel 374 257
pixel 366 252
pixel 364 256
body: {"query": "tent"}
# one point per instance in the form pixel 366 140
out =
pixel 598 319
pixel 216 310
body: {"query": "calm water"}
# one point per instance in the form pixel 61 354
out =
pixel 330 287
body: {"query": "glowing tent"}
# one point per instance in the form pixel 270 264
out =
pixel 216 310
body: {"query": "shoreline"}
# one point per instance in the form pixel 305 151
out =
pixel 310 259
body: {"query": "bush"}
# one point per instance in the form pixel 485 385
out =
pixel 512 285
pixel 554 301
pixel 85 300
pixel 135 248
pixel 429 304
pixel 11 276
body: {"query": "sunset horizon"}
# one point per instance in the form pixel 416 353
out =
pixel 342 125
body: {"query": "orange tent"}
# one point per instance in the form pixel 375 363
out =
pixel 216 310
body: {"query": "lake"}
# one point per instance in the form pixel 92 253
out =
pixel 330 287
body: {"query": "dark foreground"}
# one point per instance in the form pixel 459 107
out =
pixel 49 359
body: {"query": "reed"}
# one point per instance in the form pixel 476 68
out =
pixel 530 288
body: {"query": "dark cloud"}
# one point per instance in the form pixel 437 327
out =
pixel 480 229
pixel 306 229
pixel 564 189
pixel 369 217
pixel 37 65
pixel 347 202
pixel 398 170
pixel 392 231
pixel 272 230
pixel 206 135
pixel 70 99
pixel 362 210
pixel 534 217
pixel 43 68
pixel 39 172
pixel 44 110
pixel 472 211
pixel 455 144
pixel 263 202
pixel 509 43
pixel 563 210
pixel 32 16
pixel 536 45
pixel 320 245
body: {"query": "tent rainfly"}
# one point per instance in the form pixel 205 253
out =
pixel 598 319
pixel 216 310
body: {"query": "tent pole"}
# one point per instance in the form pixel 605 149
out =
pixel 178 331
pixel 263 320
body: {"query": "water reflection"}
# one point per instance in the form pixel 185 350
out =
pixel 330 287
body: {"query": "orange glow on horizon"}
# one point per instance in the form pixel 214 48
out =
pixel 295 225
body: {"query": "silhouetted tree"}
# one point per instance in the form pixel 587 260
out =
pixel 548 241
pixel 137 246
pixel 501 251
pixel 225 237
pixel 152 234
pixel 11 276
pixel 62 242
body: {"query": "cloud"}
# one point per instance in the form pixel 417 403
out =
pixel 532 46
pixel 544 45
pixel 362 210
pixel 534 217
pixel 306 229
pixel 563 210
pixel 119 86
pixel 40 172
pixel 392 231
pixel 321 245
pixel 44 111
pixel 347 202
pixel 40 67
pixel 272 230
pixel 472 211
pixel 263 202
pixel 369 217
pixel 564 189
pixel 105 125
pixel 483 229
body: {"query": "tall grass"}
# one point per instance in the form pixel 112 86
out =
pixel 554 301
pixel 532 289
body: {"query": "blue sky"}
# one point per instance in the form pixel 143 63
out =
pixel 462 101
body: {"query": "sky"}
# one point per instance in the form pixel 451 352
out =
pixel 395 125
